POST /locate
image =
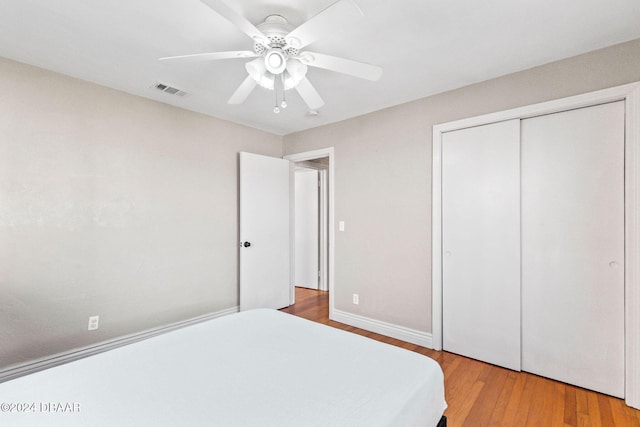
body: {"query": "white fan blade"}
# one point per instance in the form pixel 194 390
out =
pixel 308 93
pixel 243 91
pixel 213 56
pixel 334 16
pixel 341 65
pixel 238 20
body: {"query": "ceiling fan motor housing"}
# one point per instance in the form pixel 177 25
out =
pixel 275 28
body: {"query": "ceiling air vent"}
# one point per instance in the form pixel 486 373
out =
pixel 170 90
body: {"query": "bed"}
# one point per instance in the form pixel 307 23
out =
pixel 254 368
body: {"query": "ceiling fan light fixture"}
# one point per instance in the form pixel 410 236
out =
pixel 296 71
pixel 267 81
pixel 255 68
pixel 258 72
pixel 275 61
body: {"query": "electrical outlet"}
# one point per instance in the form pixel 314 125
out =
pixel 356 299
pixel 93 323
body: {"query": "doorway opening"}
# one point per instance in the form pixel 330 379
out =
pixel 312 234
pixel 310 251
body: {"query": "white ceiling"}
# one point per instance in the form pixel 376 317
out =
pixel 424 46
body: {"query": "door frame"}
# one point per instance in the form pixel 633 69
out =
pixel 630 94
pixel 330 185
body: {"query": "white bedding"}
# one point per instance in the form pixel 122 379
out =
pixel 255 368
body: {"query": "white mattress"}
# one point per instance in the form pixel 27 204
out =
pixel 255 368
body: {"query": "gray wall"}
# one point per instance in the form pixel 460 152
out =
pixel 383 178
pixel 110 205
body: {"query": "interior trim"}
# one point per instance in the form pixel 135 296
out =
pixel 387 329
pixel 632 248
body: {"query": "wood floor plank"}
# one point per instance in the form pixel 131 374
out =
pixel 606 417
pixel 513 404
pixel 536 415
pixel 553 395
pixel 594 410
pixel 480 394
pixel 459 413
pixel 570 418
pixel 623 415
pixel 541 408
pixel 582 405
pixel 528 394
pixel 485 404
pixel 500 409
pixel 559 391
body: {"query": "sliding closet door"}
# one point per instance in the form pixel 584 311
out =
pixel 573 247
pixel 481 243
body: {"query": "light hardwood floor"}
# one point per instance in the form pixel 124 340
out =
pixel 480 394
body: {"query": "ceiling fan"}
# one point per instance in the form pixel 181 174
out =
pixel 281 61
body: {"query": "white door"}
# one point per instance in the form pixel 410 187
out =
pixel 264 231
pixel 573 247
pixel 481 243
pixel 306 228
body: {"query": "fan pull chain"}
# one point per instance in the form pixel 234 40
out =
pixel 276 109
pixel 282 104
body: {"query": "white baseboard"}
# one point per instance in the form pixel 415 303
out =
pixel 62 358
pixel 388 329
